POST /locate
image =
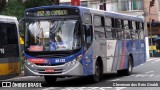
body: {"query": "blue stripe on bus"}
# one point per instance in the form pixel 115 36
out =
pixel 88 63
pixel 53 60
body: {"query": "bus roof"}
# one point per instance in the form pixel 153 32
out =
pixel 113 14
pixel 91 10
pixel 4 18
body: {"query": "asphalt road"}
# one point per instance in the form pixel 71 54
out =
pixel 149 71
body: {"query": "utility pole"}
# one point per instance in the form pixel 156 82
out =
pixel 151 21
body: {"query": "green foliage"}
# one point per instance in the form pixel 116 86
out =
pixel 14 8
pixel 36 3
pixel 17 7
pixel 2 4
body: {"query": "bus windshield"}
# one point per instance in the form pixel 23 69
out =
pixel 52 35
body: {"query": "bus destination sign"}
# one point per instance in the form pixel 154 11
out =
pixel 52 13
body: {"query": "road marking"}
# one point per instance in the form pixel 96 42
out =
pixel 158 59
pixel 84 88
pixel 115 80
pixel 25 77
pixel 50 88
pixel 120 88
pixel 149 72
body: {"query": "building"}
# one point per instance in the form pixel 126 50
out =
pixel 133 7
pixel 139 8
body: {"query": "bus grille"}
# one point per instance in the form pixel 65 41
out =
pixel 57 71
pixel 50 64
pixel 53 56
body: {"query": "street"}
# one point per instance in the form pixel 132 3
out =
pixel 149 71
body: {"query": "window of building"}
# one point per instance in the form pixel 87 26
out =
pixel 124 5
pixel 128 5
pixel 94 4
pixel 84 3
pixel 111 5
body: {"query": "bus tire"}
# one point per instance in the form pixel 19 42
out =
pixel 50 79
pixel 128 71
pixel 98 72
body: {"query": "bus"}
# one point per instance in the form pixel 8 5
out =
pixel 63 41
pixel 9 47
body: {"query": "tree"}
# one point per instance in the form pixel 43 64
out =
pixel 14 8
pixel 36 3
pixel 17 7
pixel 2 4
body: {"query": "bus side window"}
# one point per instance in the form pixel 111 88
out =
pixel 118 29
pixel 141 31
pixel 99 27
pixel 122 28
pixel 88 35
pixel 137 30
pixel 113 29
pixel 3 38
pixel 108 24
pixel 88 31
pixel 126 30
pixel 133 30
pixel 11 34
pixel 87 19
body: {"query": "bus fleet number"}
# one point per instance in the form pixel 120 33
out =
pixel 60 60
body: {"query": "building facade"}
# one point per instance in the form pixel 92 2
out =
pixel 139 8
pixel 133 7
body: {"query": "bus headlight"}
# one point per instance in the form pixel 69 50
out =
pixel 79 57
pixel 74 61
pixel 28 63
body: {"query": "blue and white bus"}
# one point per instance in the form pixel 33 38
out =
pixel 63 41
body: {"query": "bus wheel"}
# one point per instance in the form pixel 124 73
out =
pixel 50 79
pixel 128 71
pixel 97 75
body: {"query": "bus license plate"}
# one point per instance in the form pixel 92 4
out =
pixel 49 70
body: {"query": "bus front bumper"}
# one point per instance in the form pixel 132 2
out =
pixel 67 69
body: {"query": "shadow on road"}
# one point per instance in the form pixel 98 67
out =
pixel 82 81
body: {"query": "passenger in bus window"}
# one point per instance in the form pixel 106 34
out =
pixel 52 43
pixel 56 43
